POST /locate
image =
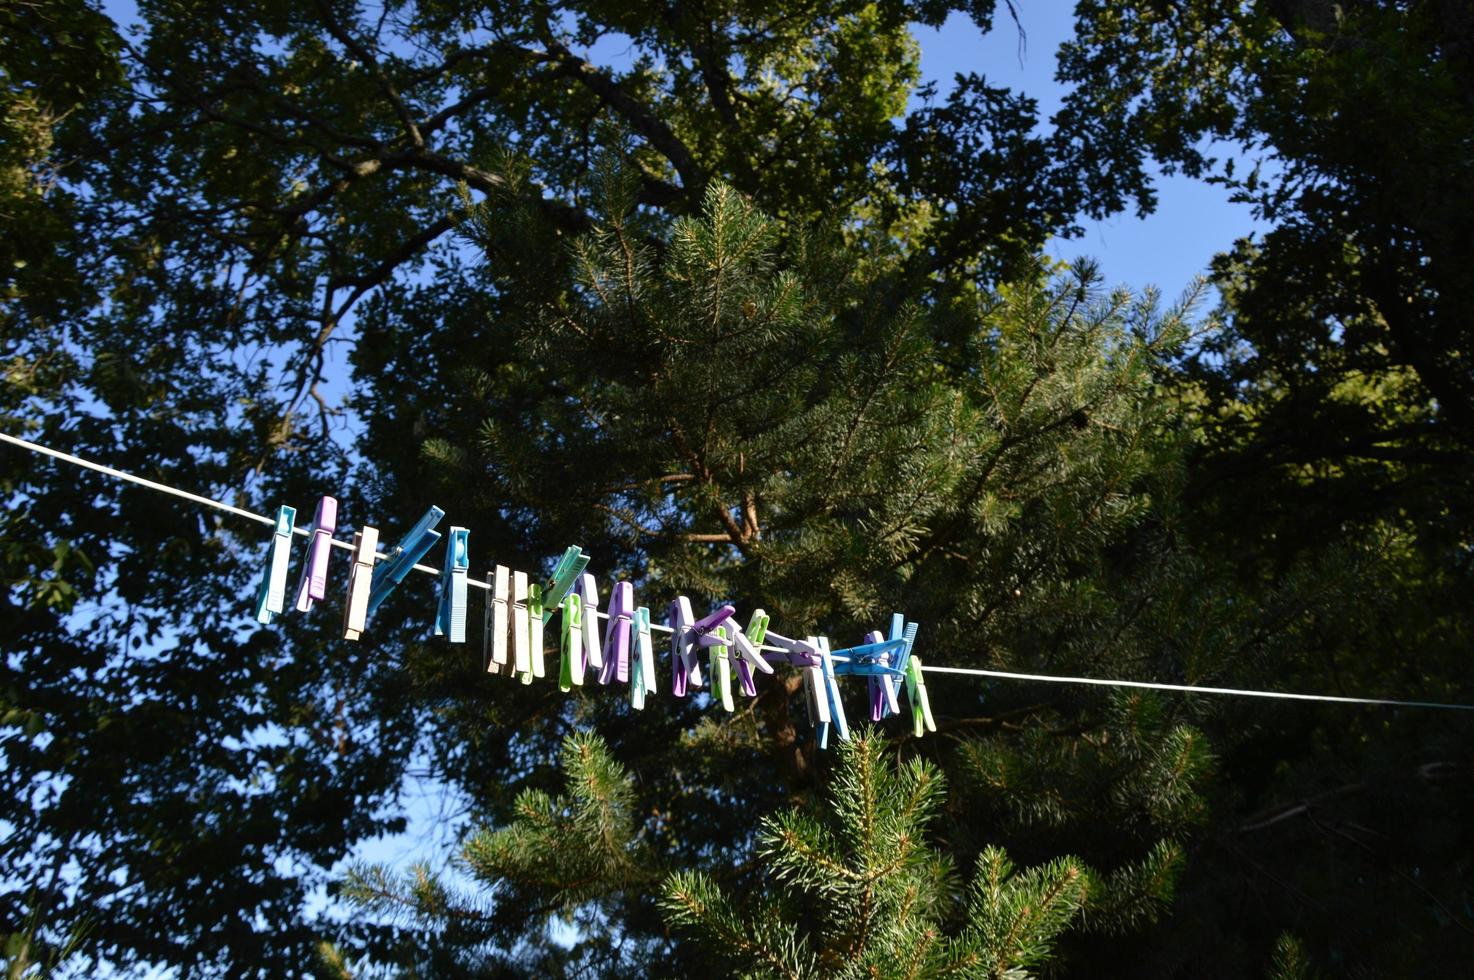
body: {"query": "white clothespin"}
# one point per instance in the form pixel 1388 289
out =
pixel 521 626
pixel 815 696
pixel 360 581
pixel 537 615
pixel 831 690
pixel 588 593
pixel 498 620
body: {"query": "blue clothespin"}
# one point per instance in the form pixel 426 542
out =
pixel 831 691
pixel 410 549
pixel 450 618
pixel 271 597
pixel 570 566
pixel 876 660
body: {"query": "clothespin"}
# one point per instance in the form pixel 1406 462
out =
pixel 875 659
pixel 536 616
pixel 569 567
pixel 617 634
pixel 816 699
pixel 450 618
pixel 800 653
pixel 271 597
pixel 902 630
pixel 360 581
pixel 498 617
pixel 570 672
pixel 748 653
pixel 314 582
pixel 411 548
pixel 683 667
pixel 521 626
pixel 588 597
pixel 831 690
pixel 721 669
pixel 642 672
pixel 916 694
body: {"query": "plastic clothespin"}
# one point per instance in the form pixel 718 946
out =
pixel 570 566
pixel 360 581
pixel 450 618
pixel 916 694
pixel 831 690
pixel 617 634
pixel 313 585
pixel 874 659
pixel 642 672
pixel 721 669
pixel 588 597
pixel 498 618
pixel 749 655
pixel 536 616
pixel 571 668
pixel 411 548
pixel 800 653
pixel 906 632
pixel 816 698
pixel 683 667
pixel 521 626
pixel 271 597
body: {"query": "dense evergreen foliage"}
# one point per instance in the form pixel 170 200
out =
pixel 742 317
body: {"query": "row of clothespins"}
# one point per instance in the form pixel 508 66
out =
pixel 518 608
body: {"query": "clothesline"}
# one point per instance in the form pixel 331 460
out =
pixel 929 668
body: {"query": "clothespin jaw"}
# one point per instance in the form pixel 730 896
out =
pixel 360 581
pixel 831 689
pixel 271 597
pixel 313 585
pixel 588 597
pixel 521 626
pixel 721 671
pixel 570 566
pixel 450 618
pixel 617 634
pixel 411 548
pixel 498 619
pixel 683 666
pixel 570 672
pixel 536 616
pixel 916 694
pixel 642 672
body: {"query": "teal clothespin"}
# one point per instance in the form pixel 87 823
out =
pixel 570 672
pixel 831 690
pixel 721 669
pixel 450 618
pixel 271 597
pixel 565 573
pixel 411 548
pixel 916 694
pixel 642 668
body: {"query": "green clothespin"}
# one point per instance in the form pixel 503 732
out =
pixel 565 573
pixel 757 627
pixel 570 672
pixel 534 633
pixel 642 666
pixel 916 694
pixel 721 669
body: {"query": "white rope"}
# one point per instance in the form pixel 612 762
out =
pixel 929 668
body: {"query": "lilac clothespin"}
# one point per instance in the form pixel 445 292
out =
pixel 617 635
pixel 314 582
pixel 799 653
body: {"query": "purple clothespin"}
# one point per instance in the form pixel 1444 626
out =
pixel 314 582
pixel 799 653
pixel 878 684
pixel 683 666
pixel 617 635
